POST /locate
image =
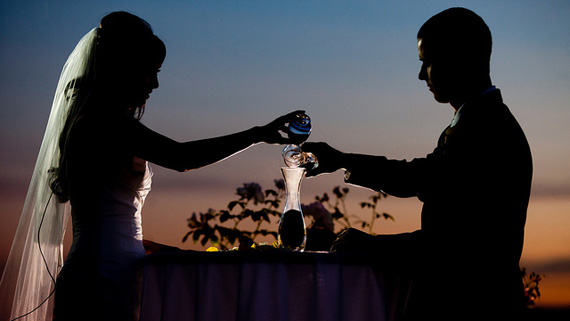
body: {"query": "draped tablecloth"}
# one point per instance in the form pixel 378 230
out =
pixel 269 286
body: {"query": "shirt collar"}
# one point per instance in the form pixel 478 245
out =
pixel 457 114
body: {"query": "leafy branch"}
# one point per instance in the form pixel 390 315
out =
pixel 221 227
pixel 531 290
pixel 373 206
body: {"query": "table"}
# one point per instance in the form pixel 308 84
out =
pixel 269 286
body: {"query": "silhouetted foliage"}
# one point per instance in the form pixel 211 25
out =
pixel 531 290
pixel 325 217
pixel 222 227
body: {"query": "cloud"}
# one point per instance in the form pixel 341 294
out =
pixel 554 266
pixel 550 189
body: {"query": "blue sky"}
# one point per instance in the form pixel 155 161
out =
pixel 352 65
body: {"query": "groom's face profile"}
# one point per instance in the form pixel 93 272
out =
pixel 438 73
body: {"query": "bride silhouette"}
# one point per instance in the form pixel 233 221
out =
pixel 94 161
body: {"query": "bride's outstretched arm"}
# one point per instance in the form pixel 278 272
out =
pixel 184 156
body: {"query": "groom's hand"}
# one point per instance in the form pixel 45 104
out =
pixel 329 159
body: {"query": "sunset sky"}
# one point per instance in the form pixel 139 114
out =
pixel 352 65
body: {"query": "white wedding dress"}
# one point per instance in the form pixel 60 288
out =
pixel 107 252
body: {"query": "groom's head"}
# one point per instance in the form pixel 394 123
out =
pixel 455 48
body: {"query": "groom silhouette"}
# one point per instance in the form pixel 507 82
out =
pixel 475 185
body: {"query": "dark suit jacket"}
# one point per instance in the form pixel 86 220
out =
pixel 475 187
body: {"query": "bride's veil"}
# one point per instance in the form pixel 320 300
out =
pixel 35 259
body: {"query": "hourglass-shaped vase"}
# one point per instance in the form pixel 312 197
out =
pixel 292 231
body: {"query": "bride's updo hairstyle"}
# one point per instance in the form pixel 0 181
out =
pixel 126 47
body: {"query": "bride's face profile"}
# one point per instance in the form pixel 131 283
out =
pixel 141 84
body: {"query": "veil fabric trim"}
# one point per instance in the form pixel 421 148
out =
pixel 36 257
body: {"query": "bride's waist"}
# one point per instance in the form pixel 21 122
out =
pixel 108 230
pixel 92 243
pixel 112 233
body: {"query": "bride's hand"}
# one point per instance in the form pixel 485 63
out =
pixel 271 133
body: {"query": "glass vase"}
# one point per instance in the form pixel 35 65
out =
pixel 292 230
